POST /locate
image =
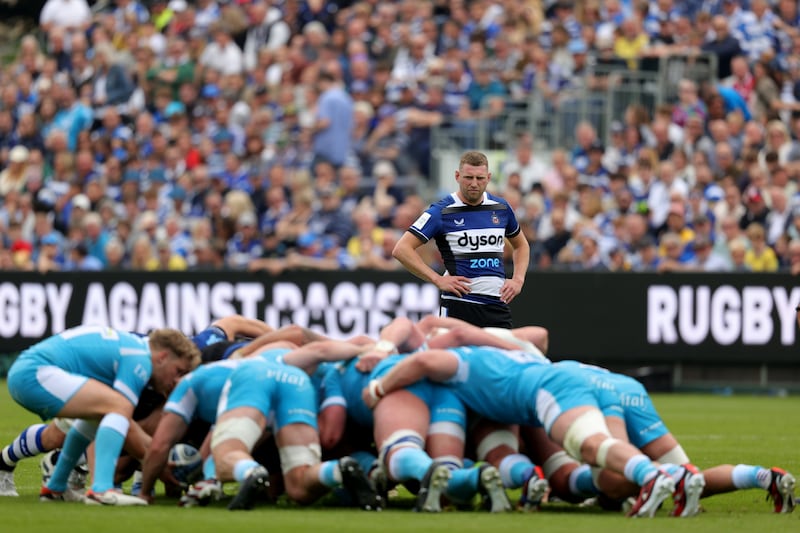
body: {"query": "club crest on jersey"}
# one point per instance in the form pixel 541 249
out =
pixel 495 219
pixel 459 222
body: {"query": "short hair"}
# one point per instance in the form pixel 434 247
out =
pixel 177 343
pixel 473 158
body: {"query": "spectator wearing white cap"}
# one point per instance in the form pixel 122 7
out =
pixel 14 176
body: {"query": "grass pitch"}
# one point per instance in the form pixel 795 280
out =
pixel 712 429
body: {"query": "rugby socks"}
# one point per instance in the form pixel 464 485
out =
pixel 751 477
pixel 365 460
pixel 463 484
pixel 78 438
pixel 242 469
pixel 581 482
pixel 209 468
pixel 409 463
pixel 27 444
pixel 108 445
pixel 640 469
pixel 515 469
pixel 329 474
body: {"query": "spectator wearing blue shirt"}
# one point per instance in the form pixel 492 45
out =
pixel 245 244
pixel 333 126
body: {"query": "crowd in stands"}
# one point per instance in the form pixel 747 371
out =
pixel 269 135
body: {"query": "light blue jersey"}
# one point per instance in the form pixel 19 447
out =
pixel 633 403
pixel 46 375
pixel 444 405
pixel 328 385
pixel 283 394
pixel 514 387
pixel 198 393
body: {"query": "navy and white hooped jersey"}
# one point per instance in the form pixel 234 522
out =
pixel 471 241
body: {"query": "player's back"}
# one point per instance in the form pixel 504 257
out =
pixel 351 382
pixel 273 355
pixel 490 382
pixel 93 351
pixel 198 393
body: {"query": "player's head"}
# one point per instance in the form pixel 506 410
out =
pixel 473 177
pixel 473 158
pixel 174 355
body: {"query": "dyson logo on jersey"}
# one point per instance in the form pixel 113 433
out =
pixel 474 242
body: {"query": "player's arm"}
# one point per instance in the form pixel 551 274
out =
pixel 433 322
pixel 521 257
pixel 309 356
pixel 331 422
pixel 435 365
pixel 469 335
pixel 241 326
pixel 293 335
pixel 399 335
pixel 405 251
pixel 170 429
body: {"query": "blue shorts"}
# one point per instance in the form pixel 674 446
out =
pixel 40 387
pixel 283 394
pixel 443 404
pixel 560 390
pixel 642 421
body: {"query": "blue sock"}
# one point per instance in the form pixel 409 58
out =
pixel 209 468
pixel 78 438
pixel 365 460
pixel 27 444
pixel 242 469
pixel 640 469
pixel 329 474
pixel 463 484
pixel 581 482
pixel 750 477
pixel 409 463
pixel 515 470
pixel 108 445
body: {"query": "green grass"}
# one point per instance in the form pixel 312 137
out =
pixel 712 429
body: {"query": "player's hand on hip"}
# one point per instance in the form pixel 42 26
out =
pixel 511 288
pixel 458 285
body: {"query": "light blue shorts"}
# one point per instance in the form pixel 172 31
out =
pixel 283 394
pixel 40 387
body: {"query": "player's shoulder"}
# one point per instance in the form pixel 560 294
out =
pixel 496 200
pixel 451 200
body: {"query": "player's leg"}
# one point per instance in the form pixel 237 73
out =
pixel 32 441
pixel 568 479
pixel 400 426
pixel 583 433
pixel 232 441
pixel 51 391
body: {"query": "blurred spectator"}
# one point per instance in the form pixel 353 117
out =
pixel 705 259
pixel 333 123
pixel 14 176
pixel 760 257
